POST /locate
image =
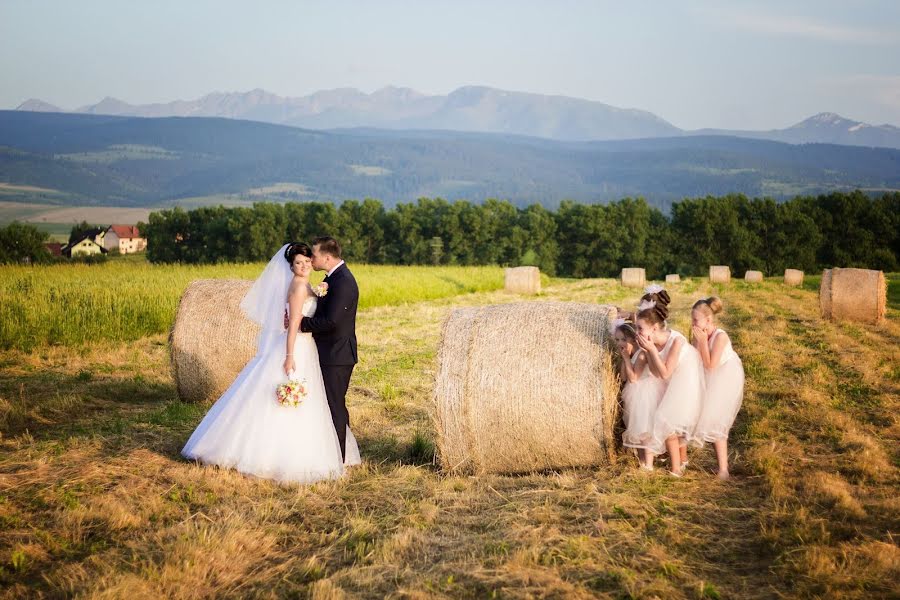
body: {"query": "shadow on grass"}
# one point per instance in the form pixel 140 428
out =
pixel 386 448
pixel 51 404
pixel 457 284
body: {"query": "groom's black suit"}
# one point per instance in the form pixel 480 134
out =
pixel 334 329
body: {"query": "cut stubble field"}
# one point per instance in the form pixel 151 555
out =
pixel 96 502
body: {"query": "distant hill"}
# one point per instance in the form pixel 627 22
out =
pixel 35 105
pixel 825 128
pixel 480 109
pixel 474 109
pixel 124 161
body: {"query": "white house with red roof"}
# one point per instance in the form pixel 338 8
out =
pixel 124 238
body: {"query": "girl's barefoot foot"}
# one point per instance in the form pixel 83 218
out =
pixel 724 475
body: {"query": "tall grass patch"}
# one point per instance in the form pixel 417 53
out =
pixel 126 300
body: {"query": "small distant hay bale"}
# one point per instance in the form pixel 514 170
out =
pixel 753 276
pixel 673 278
pixel 634 277
pixel 719 274
pixel 853 295
pixel 523 280
pixel 212 339
pixel 793 277
pixel 525 387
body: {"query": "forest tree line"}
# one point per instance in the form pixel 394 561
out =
pixel 576 240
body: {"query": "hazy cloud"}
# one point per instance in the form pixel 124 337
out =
pixel 758 20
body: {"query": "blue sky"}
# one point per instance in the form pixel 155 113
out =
pixel 695 63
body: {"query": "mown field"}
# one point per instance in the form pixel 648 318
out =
pixel 95 501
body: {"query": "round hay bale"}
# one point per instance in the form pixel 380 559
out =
pixel 753 276
pixel 211 339
pixel 525 387
pixel 634 277
pixel 523 280
pixel 793 277
pixel 719 274
pixel 673 278
pixel 853 295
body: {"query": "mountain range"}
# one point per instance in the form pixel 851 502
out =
pixel 473 109
pixel 85 159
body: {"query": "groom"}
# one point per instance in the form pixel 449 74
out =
pixel 334 329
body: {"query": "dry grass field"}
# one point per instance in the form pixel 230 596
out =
pixel 95 501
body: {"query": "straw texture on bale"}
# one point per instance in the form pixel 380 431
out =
pixel 753 276
pixel 853 295
pixel 523 280
pixel 212 339
pixel 673 278
pixel 719 274
pixel 793 277
pixel 525 387
pixel 634 277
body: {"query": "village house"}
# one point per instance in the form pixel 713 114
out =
pixel 96 234
pixel 124 238
pixel 55 248
pixel 85 245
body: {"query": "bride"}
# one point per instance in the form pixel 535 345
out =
pixel 247 429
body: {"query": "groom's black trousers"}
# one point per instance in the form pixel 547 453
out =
pixel 337 380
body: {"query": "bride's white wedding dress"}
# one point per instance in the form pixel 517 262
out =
pixel 248 430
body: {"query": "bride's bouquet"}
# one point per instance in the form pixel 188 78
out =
pixel 292 392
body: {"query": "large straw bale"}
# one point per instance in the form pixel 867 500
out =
pixel 525 387
pixel 634 277
pixel 212 339
pixel 719 274
pixel 853 295
pixel 753 276
pixel 523 280
pixel 793 277
pixel 673 278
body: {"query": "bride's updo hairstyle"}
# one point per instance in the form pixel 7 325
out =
pixel 658 311
pixel 295 248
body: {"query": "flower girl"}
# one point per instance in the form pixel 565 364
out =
pixel 640 396
pixel 724 380
pixel 671 358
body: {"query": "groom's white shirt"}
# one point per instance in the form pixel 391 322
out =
pixel 334 268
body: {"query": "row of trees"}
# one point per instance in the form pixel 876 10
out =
pixel 578 240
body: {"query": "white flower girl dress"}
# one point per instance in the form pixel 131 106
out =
pixel 723 397
pixel 640 399
pixel 681 403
